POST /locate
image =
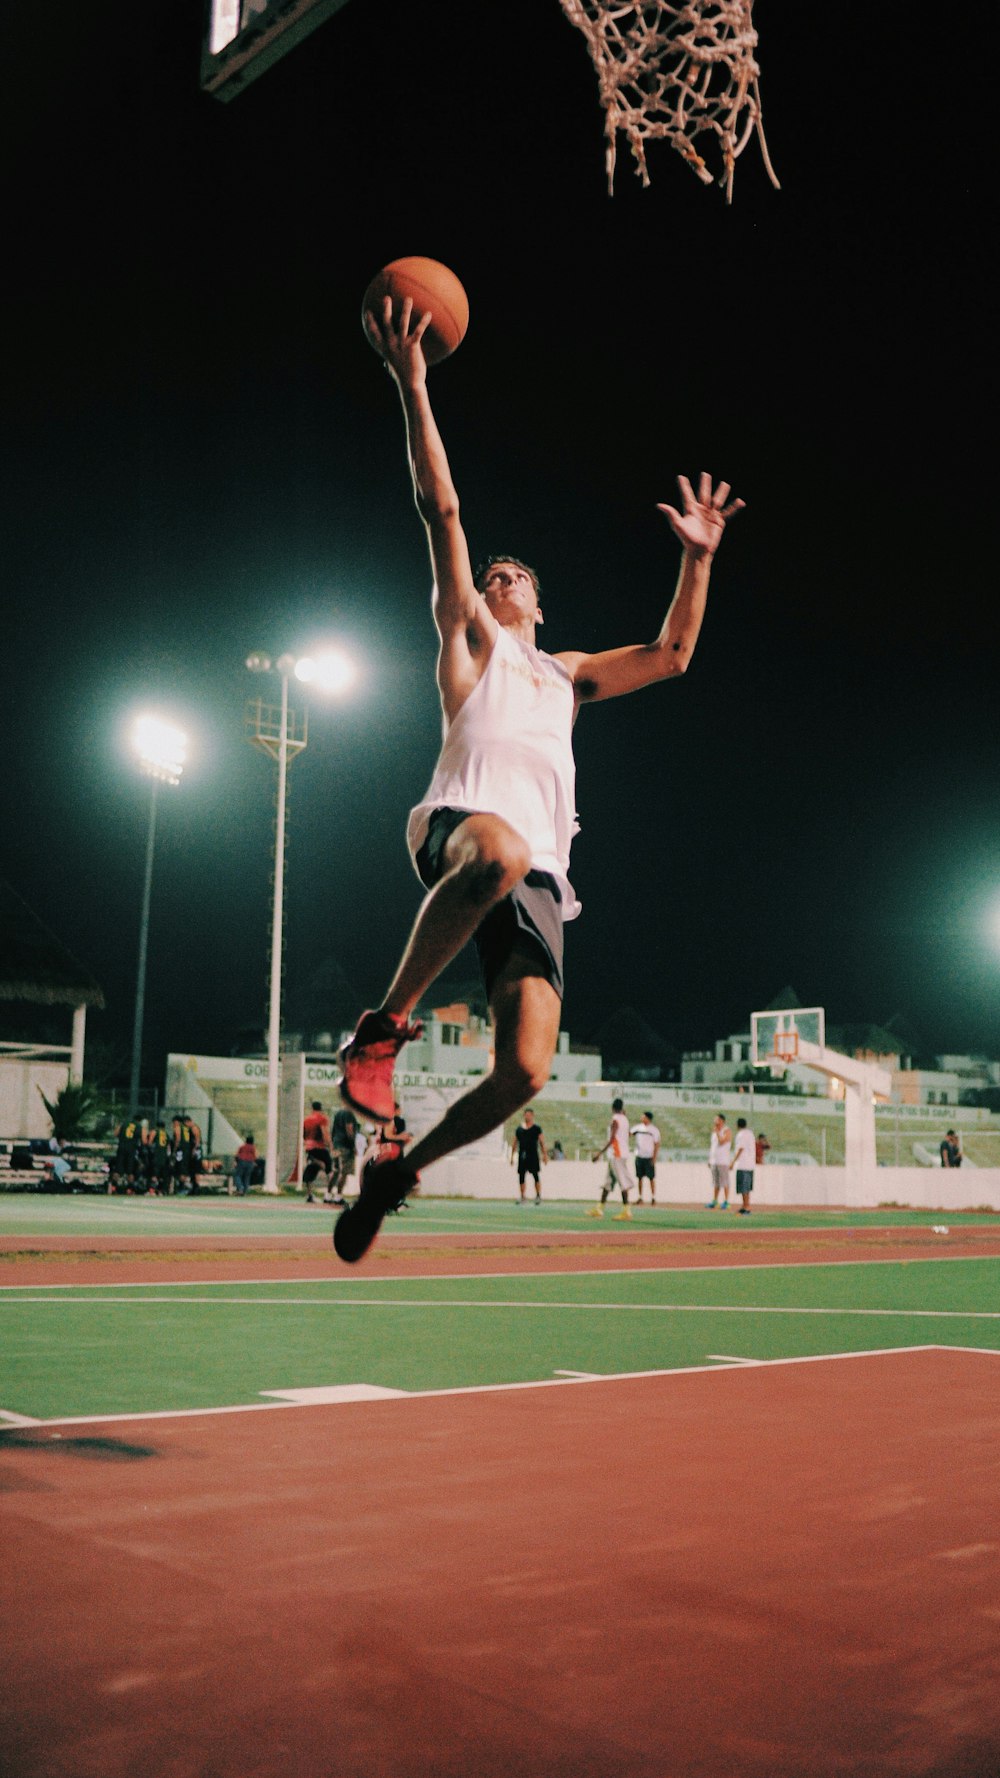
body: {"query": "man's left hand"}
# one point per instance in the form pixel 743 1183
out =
pixel 703 520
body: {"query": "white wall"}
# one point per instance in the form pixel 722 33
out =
pixel 920 1188
pixel 21 1110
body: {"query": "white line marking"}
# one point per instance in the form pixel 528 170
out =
pixel 690 1370
pixel 726 1358
pixel 335 1392
pixel 581 1376
pixel 12 1419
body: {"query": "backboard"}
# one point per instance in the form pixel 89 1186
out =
pixel 775 1036
pixel 244 37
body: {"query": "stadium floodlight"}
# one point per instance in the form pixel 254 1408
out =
pixel 332 672
pixel 284 735
pixel 161 750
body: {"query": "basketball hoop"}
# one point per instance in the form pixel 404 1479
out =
pixel 682 72
pixel 786 1046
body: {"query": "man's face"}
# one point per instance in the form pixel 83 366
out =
pixel 529 1117
pixel 509 592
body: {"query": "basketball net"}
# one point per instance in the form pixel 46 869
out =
pixel 685 73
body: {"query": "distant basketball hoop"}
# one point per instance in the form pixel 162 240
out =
pixel 786 1046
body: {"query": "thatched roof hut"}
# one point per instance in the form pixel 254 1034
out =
pixel 34 965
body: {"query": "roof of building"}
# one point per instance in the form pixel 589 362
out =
pixel 34 964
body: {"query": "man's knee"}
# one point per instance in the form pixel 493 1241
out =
pixel 525 1067
pixel 490 859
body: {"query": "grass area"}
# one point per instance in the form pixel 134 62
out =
pixel 26 1214
pixel 105 1350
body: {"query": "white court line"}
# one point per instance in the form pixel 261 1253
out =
pixel 321 1302
pixel 688 1370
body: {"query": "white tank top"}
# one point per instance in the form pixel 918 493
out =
pixel 509 752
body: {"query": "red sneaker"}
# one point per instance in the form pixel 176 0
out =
pixel 368 1061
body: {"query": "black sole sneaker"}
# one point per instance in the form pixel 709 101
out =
pixel 384 1185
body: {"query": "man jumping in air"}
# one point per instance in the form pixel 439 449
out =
pixel 491 839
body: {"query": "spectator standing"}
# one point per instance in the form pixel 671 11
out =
pixel 720 1151
pixel 343 1136
pixel 743 1162
pixel 616 1149
pixel 316 1141
pixel 390 1144
pixel 125 1166
pixel 647 1147
pixel 159 1160
pixel 191 1147
pixel 763 1149
pixel 951 1150
pixel 246 1160
pixel 528 1145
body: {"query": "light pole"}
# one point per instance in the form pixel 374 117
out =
pixel 284 735
pixel 161 750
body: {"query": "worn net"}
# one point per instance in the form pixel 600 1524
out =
pixel 686 74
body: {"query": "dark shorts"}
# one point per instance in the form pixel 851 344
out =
pixel 744 1180
pixel 529 919
pixel 645 1167
pixel 527 1169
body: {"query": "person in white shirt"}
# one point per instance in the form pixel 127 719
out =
pixel 720 1151
pixel 647 1147
pixel 743 1162
pixel 616 1149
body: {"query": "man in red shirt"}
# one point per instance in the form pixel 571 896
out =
pixel 316 1142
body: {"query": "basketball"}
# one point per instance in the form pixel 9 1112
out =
pixel 432 286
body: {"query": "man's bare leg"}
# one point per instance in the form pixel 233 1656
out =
pixel 526 1013
pixel 486 859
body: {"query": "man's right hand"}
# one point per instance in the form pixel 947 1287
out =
pixel 399 342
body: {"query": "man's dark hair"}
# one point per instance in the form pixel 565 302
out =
pixel 316 1105
pixel 618 1105
pixel 515 561
pixel 741 1123
pixel 648 1114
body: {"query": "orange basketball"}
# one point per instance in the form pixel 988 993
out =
pixel 432 286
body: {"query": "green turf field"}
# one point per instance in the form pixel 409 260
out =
pixel 72 1350
pixel 31 1214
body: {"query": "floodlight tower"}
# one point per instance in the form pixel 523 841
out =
pixel 283 734
pixel 161 750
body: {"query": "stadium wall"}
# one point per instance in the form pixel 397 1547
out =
pixel 917 1188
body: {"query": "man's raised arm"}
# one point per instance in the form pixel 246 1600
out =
pixel 699 527
pixel 456 602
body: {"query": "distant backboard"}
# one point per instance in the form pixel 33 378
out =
pixel 244 37
pixel 776 1036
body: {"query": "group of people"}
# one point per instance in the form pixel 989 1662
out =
pixel 334 1146
pixel 727 1158
pixel 156 1160
pixel 617 1151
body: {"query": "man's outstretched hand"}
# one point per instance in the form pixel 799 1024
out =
pixel 703 520
pixel 399 342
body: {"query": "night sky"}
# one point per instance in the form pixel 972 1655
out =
pixel 203 457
